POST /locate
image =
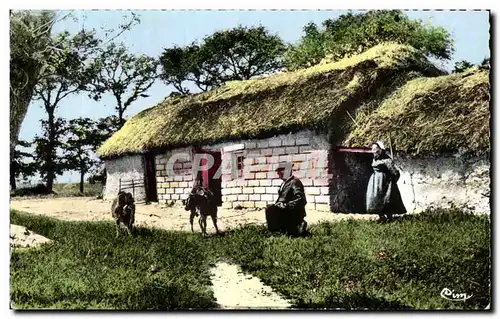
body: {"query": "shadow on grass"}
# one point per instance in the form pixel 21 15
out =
pixel 439 215
pixel 355 301
pixel 171 297
pixel 143 232
pixel 151 296
pixel 262 230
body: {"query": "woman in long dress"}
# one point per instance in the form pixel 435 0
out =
pixel 382 195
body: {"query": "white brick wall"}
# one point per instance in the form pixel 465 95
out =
pixel 259 182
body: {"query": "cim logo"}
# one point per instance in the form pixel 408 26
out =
pixel 453 296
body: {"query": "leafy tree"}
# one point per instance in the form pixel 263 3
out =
pixel 179 65
pixel 235 54
pixel 36 56
pixel 97 174
pixel 485 64
pixel 29 40
pixel 242 53
pixel 82 139
pixel 354 33
pixel 461 66
pixel 105 127
pixel 30 44
pixel 68 72
pixel 310 51
pixel 124 75
pixel 47 146
pixel 19 165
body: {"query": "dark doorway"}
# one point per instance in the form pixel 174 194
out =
pixel 150 176
pixel 351 171
pixel 206 177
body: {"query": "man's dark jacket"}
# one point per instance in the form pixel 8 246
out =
pixel 291 193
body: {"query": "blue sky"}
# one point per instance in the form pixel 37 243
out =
pixel 162 29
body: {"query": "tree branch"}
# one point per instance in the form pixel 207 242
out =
pixel 232 64
pixel 68 93
pixel 56 101
pixel 137 90
pixel 50 24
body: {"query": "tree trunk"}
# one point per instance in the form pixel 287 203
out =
pixel 120 117
pixel 25 67
pixel 82 175
pixel 51 152
pixel 18 109
pixel 50 179
pixel 12 182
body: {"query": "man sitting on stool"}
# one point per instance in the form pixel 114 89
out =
pixel 287 214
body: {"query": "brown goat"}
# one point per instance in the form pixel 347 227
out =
pixel 201 201
pixel 123 211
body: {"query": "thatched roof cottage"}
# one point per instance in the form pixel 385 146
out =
pixel 320 121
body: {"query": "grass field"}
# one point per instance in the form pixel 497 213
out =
pixel 60 190
pixel 347 264
pixel 73 189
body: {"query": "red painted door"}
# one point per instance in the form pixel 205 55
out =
pixel 216 181
pixel 207 175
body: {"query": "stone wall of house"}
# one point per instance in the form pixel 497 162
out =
pixel 174 186
pixel 425 181
pixel 126 169
pixel 307 155
pixel 440 181
pixel 256 185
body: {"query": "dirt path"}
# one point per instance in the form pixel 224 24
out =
pixel 237 290
pixel 171 218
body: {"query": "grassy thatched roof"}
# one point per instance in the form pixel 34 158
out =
pixel 428 115
pixel 283 102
